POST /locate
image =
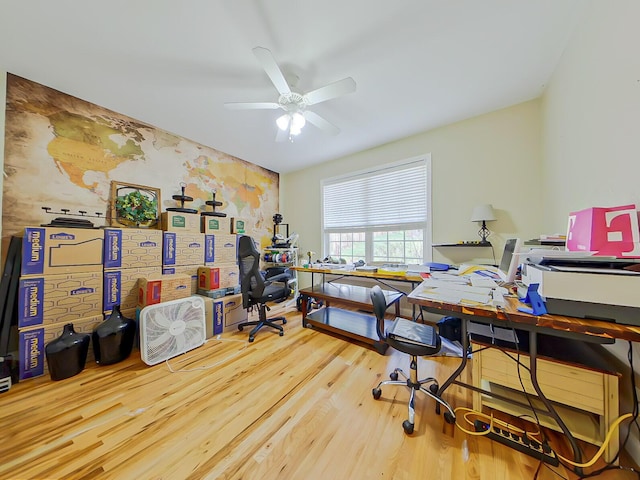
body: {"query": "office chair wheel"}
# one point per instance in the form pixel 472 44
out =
pixel 281 334
pixel 284 320
pixel 251 339
pixel 408 427
pixel 433 388
pixel 376 392
pixel 240 327
pixel 449 418
pixel 393 375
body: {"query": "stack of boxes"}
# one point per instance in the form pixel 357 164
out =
pixel 185 248
pixel 60 282
pixel 77 275
pixel 129 254
pixel 219 278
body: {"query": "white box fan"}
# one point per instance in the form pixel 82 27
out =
pixel 171 328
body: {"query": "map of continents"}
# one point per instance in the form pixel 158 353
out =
pixel 62 152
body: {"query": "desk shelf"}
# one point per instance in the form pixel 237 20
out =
pixel 585 426
pixel 586 398
pixel 357 326
pixel 346 323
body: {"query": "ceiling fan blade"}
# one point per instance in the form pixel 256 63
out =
pixel 333 90
pixel 321 123
pixel 272 69
pixel 252 106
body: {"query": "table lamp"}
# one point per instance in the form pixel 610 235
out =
pixel 484 214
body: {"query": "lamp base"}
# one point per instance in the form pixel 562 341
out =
pixel 484 233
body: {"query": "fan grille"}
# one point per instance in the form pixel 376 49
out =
pixel 171 328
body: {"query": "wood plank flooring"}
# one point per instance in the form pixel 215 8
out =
pixel 291 407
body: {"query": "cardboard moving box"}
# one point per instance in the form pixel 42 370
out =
pixel 58 298
pixel 215 225
pixel 214 315
pixel 132 248
pixel 120 286
pixel 182 248
pixel 54 250
pixel 233 312
pixel 163 288
pixel 208 278
pixel 191 270
pixel 224 249
pixel 229 275
pixel 238 226
pixel 181 222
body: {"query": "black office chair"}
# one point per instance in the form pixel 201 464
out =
pixel 258 289
pixel 414 350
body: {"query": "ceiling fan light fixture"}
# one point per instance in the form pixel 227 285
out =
pixel 297 121
pixel 283 121
pixel 294 103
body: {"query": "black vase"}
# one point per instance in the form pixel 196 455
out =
pixel 67 354
pixel 113 338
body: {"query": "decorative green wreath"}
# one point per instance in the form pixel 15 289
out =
pixel 137 208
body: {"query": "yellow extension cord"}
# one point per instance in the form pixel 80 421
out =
pixel 494 421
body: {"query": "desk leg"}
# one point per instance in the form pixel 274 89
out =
pixel 533 355
pixel 305 309
pixel 463 362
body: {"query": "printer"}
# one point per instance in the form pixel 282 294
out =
pixel 598 292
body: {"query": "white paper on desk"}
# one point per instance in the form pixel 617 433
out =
pixel 453 293
pixel 483 282
pixel 448 277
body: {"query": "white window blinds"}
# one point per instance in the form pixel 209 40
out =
pixel 392 196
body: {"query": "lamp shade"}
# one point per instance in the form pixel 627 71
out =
pixel 483 213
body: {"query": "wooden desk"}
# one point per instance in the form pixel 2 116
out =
pixel 357 326
pixel 581 329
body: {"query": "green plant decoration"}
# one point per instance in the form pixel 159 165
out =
pixel 137 208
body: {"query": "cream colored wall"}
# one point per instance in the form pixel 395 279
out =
pixel 591 115
pixel 493 158
pixel 591 131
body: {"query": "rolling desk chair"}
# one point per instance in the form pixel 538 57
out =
pixel 258 290
pixel 414 350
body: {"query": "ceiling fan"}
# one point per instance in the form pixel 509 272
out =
pixel 293 103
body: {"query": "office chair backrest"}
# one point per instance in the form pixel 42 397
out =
pixel 251 280
pixel 379 308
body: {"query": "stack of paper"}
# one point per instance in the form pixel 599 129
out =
pixel 454 292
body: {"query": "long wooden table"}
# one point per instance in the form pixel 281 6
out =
pixel 585 330
pixel 352 325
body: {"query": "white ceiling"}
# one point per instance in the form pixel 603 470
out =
pixel 418 64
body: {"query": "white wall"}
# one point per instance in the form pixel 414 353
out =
pixel 591 129
pixel 493 158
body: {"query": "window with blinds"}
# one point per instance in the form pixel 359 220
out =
pixel 381 215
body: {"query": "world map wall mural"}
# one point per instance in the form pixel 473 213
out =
pixel 62 152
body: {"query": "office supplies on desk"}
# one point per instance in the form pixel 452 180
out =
pixel 534 300
pixel 438 267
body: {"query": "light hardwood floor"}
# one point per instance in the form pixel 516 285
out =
pixel 291 407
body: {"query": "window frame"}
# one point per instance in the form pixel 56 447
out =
pixel 425 225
